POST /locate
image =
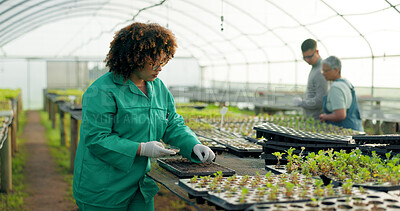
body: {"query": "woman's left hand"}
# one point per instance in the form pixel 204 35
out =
pixel 204 153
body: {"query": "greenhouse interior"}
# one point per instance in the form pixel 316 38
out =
pixel 199 105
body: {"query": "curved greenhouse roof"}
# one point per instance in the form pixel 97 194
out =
pixel 232 40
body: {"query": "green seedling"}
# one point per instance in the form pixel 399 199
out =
pixel 278 156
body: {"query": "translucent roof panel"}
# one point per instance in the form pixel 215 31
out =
pixel 233 40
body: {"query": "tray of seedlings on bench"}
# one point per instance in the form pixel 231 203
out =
pixel 235 145
pixel 241 192
pixel 214 146
pixel 183 168
pixel 279 145
pixel 369 200
pixel 243 128
pixel 241 147
pixel 274 132
pixel 365 171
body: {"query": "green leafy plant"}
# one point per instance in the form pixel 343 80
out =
pixel 278 156
pixel 194 179
pixel 243 195
pixel 347 186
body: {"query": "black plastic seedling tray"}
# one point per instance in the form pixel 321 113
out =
pixel 281 133
pixel 244 153
pixel 377 139
pixel 369 201
pixel 273 148
pixel 254 140
pixel 220 200
pixel 372 186
pixel 271 159
pixel 380 150
pixel 193 192
pixel 281 169
pixel 183 168
pixel 309 146
pixel 269 145
pixel 214 146
pixel 227 192
pixel 240 147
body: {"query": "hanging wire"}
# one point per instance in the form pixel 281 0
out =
pixel 167 6
pixel 145 8
pixel 222 15
pixel 117 25
pixel 394 6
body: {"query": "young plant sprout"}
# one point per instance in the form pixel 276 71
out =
pixel 319 191
pixel 278 156
pixel 289 187
pixel 314 202
pixel 213 186
pixel 303 191
pixel 218 175
pixel 194 179
pixel 329 190
pixel 273 192
pixel 347 186
pixel 227 187
pixel 243 195
pixel 290 166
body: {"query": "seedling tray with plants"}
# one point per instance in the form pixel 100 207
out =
pixel 377 139
pixel 271 160
pixel 364 171
pixel 310 147
pixel 184 168
pixel 236 145
pixel 241 147
pixel 214 146
pixel 240 192
pixel 241 129
pixel 303 123
pixel 215 133
pixel 285 134
pixel 276 169
pixel 369 201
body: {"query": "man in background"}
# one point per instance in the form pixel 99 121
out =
pixel 317 86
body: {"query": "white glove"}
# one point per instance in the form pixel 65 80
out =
pixel 204 153
pixel 154 149
pixel 297 101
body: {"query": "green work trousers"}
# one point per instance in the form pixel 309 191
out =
pixel 136 204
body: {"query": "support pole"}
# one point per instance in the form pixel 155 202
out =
pixel 6 167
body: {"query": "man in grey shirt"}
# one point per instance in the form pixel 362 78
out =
pixel 317 86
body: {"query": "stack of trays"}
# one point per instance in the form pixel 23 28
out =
pixel 381 144
pixel 238 146
pixel 214 146
pixel 279 138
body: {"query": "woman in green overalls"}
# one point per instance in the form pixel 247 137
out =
pixel 340 105
pixel 125 114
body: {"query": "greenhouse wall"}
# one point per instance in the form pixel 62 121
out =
pixel 67 75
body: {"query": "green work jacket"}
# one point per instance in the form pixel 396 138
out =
pixel 116 118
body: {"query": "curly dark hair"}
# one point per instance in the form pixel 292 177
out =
pixel 137 44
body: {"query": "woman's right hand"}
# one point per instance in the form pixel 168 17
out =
pixel 154 149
